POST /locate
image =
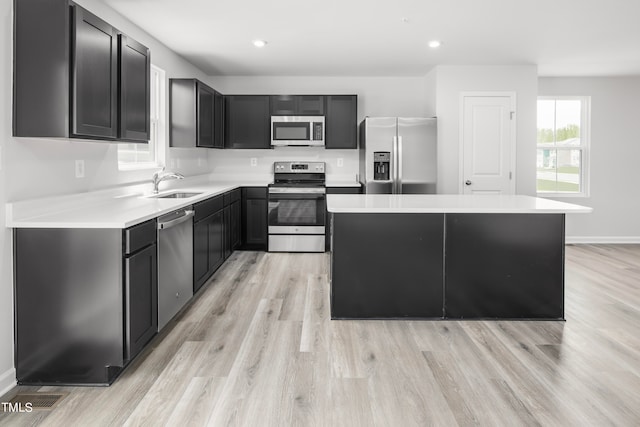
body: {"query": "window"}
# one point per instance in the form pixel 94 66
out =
pixel 143 156
pixel 563 146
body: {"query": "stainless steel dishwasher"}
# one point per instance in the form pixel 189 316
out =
pixel 175 263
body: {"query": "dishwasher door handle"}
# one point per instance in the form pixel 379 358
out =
pixel 168 224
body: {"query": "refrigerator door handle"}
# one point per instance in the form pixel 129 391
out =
pixel 399 165
pixel 394 162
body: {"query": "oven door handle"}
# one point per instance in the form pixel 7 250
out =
pixel 280 190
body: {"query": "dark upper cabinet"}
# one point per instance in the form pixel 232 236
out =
pixel 341 121
pixel 94 77
pixel 297 105
pixel 67 72
pixel 205 119
pixel 135 72
pixel 195 114
pixel 247 121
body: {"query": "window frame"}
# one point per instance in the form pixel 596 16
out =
pixel 584 147
pixel 157 125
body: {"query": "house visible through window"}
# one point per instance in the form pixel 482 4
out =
pixel 563 146
pixel 141 156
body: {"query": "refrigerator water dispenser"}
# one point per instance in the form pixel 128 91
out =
pixel 381 161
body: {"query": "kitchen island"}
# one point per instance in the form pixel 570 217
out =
pixel 447 256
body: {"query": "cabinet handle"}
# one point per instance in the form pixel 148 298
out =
pixel 467 182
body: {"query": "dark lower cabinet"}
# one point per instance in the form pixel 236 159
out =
pixel 208 240
pixel 85 302
pixel 341 122
pixel 247 121
pixel 232 220
pixel 141 299
pixel 254 218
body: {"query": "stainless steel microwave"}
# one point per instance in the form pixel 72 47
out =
pixel 297 130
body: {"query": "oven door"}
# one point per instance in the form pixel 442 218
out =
pixel 297 210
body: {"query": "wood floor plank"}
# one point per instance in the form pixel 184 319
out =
pixel 257 347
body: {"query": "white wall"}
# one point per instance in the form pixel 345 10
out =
pixel 615 152
pixel 43 167
pixel 377 96
pixel 450 82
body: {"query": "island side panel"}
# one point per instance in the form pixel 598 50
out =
pixel 387 265
pixel 504 266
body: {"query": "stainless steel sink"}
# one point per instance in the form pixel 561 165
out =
pixel 175 195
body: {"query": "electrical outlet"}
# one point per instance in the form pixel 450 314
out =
pixel 254 161
pixel 340 162
pixel 173 163
pixel 79 168
pixel 0 158
pixel 199 161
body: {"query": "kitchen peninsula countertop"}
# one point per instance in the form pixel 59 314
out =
pixel 447 203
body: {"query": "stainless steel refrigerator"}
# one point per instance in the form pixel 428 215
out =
pixel 398 155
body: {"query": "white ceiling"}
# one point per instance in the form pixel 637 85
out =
pixel 365 37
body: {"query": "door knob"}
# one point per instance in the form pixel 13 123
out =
pixel 467 182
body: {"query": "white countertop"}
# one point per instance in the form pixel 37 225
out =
pixel 111 209
pixel 446 203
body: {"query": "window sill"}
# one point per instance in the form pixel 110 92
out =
pixel 562 195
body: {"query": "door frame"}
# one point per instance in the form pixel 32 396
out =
pixel 512 132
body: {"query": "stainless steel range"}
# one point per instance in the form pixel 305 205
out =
pixel 297 207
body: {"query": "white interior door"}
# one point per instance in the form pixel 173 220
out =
pixel 488 143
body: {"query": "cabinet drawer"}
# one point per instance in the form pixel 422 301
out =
pixel 344 190
pixel 208 207
pixel 255 192
pixel 139 236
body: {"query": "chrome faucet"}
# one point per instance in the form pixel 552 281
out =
pixel 161 175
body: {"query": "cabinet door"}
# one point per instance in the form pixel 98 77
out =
pixel 227 231
pixel 200 253
pixel 135 71
pixel 310 105
pixel 247 121
pixel 94 77
pixel 205 123
pixel 342 121
pixel 216 241
pixel 254 218
pixel 283 105
pixel 235 225
pixel 218 120
pixel 141 284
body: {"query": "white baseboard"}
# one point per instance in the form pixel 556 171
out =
pixel 7 381
pixel 602 239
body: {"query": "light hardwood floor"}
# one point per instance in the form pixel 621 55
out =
pixel 257 348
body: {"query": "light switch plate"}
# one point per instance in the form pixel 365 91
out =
pixel 254 161
pixel 79 168
pixel 340 162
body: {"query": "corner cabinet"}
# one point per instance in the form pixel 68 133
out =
pixel 196 114
pixel 76 76
pixel 247 121
pixel 341 122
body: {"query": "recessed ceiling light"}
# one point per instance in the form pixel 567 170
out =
pixel 259 43
pixel 435 43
